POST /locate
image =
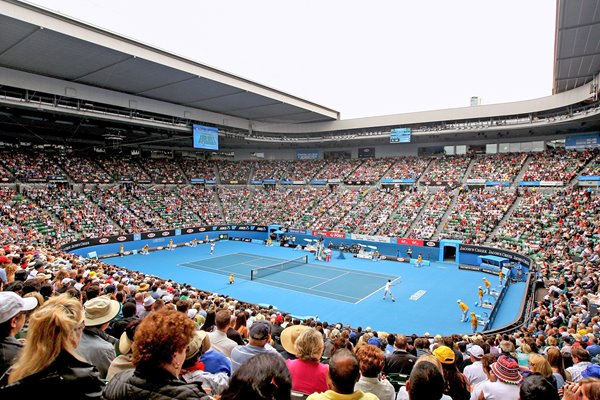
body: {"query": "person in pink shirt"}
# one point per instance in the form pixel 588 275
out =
pixel 308 374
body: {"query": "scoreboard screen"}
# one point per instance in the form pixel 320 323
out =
pixel 206 137
pixel 400 135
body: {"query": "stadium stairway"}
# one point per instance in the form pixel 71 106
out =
pixel 521 173
pixel 468 170
pixel 449 210
pixel 507 215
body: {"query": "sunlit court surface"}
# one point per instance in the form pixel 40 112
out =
pixel 349 289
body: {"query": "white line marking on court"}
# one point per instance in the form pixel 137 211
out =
pixel 377 290
pixel 303 288
pixel 329 280
pixel 417 295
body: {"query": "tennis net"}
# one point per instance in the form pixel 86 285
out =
pixel 272 269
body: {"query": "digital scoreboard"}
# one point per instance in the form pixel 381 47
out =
pixel 400 135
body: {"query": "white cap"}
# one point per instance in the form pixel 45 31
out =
pixel 11 304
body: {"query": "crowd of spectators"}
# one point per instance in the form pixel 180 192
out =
pixel 446 169
pixel 83 168
pixel 556 166
pixel 425 226
pixel 497 167
pixel 593 168
pixel 371 170
pixel 164 170
pixel 400 218
pixel 198 169
pixel 30 166
pixel 476 214
pixel 234 171
pixel 124 168
pixel 87 322
pixel 407 168
pixel 337 169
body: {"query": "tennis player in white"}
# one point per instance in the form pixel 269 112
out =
pixel 388 289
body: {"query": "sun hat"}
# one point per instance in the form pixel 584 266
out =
pixel 144 287
pixel 199 345
pixel 100 310
pixel 444 354
pixel 289 336
pixel 507 370
pixel 148 301
pixel 12 304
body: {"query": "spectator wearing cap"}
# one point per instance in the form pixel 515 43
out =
pixel 276 330
pixel 344 372
pixel 308 374
pixel 457 385
pixel 218 338
pixel 13 310
pixel 474 372
pixel 193 369
pixel 505 381
pixel 4 262
pixel 260 335
pixel 38 268
pixel 401 361
pixel 95 345
pixel 581 360
pixel 371 360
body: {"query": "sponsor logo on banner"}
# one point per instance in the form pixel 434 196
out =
pixel 370 238
pixel 476 181
pixel 103 240
pixel 469 267
pixel 551 183
pixel 261 228
pixel 431 244
pixel 151 234
pixel 223 228
pixel 297 231
pixel 166 233
pixel 490 251
pixel 335 235
pixel 201 229
pixel 243 228
pixel 410 242
pixel 190 230
pixel 122 238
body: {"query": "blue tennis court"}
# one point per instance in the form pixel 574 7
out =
pixel 347 290
pixel 325 281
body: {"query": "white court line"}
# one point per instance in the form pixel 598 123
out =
pixel 302 287
pixel 211 270
pixel 374 274
pixel 372 293
pixel 329 280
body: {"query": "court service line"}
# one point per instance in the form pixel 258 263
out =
pixel 397 278
pixel 374 274
pixel 329 280
pixel 304 288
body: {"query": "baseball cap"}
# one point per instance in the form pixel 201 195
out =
pixel 260 330
pixel 476 351
pixel 12 304
pixel 444 354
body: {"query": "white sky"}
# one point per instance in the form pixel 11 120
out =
pixel 360 58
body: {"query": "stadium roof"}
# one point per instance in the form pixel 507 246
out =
pixel 577 47
pixel 36 40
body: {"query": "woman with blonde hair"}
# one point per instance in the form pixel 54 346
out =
pixel 48 363
pixel 308 374
pixel 539 365
pixel 10 270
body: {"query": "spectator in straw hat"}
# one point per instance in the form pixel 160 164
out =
pixel 193 369
pixel 288 339
pixel 95 345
